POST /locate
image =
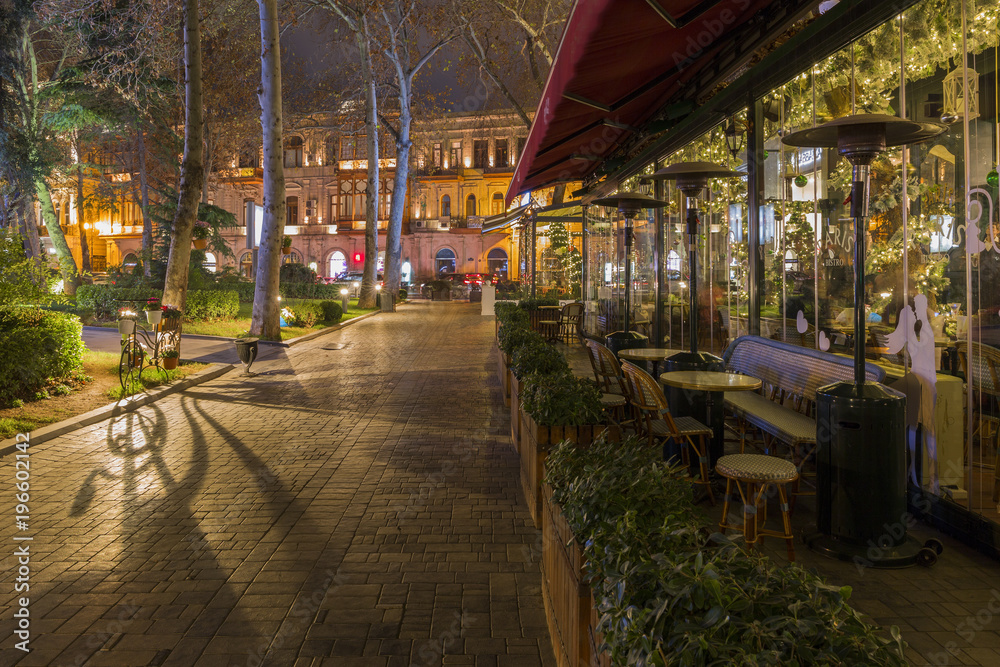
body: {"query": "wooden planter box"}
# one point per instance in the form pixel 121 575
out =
pixel 515 413
pixel 536 441
pixel 504 376
pixel 565 589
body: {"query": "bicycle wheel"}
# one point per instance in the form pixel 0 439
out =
pixel 129 365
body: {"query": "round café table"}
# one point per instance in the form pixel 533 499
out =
pixel 711 382
pixel 644 354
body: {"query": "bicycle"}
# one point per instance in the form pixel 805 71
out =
pixel 143 348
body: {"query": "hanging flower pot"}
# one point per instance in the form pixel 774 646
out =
pixel 126 327
pixel 286 245
pixel 154 316
pixel 286 251
pixel 199 244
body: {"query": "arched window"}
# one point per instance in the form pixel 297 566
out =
pixel 444 260
pixel 445 206
pixel 673 264
pixel 338 263
pixel 293 152
pixel 470 205
pixel 292 211
pixel 130 261
pixel 497 204
pixel 496 262
pixel 791 261
pixel 291 258
pixel 246 264
pixel 210 263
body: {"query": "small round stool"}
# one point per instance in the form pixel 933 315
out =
pixel 753 474
pixel 614 405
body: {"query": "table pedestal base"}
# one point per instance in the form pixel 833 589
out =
pixel 706 407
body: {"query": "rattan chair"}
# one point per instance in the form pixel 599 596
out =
pixel 569 324
pixel 608 373
pixel 656 422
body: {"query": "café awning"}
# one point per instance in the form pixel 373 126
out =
pixel 627 70
pixel 495 223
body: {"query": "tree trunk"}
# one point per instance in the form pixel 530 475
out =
pixel 32 244
pixel 147 223
pixel 393 245
pixel 85 268
pixel 67 265
pixel 265 320
pixel 175 286
pixel 366 296
pixel 209 157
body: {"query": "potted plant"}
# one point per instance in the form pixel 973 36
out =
pixel 171 312
pixel 170 359
pixel 286 245
pixel 126 321
pixel 154 313
pixel 199 235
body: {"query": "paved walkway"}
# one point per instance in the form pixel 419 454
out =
pixel 206 349
pixel 353 506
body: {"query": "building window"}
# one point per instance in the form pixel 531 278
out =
pixel 331 150
pixel 293 152
pixel 496 262
pixel 480 154
pixel 470 205
pixel 291 258
pixel 520 146
pixel 500 158
pixel 246 264
pixel 496 205
pixel 131 260
pixel 292 211
pixel 210 263
pixel 437 155
pixel 249 158
pixel 455 159
pixel 346 201
pixel 338 264
pixel 445 206
pixel 311 209
pixel 444 261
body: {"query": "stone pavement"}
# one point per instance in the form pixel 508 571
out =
pixel 205 349
pixel 352 506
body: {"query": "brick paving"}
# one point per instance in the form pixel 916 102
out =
pixel 358 506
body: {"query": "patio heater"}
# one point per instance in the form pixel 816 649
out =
pixel 692 178
pixel 629 205
pixel 860 426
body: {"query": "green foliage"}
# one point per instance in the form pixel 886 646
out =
pixel 534 355
pixel 296 273
pixel 667 595
pixel 37 347
pixel 402 294
pixel 561 399
pixel 23 281
pixel 212 304
pixel 286 242
pixel 533 304
pixel 105 300
pixel 170 354
pixel 332 311
pixel 303 313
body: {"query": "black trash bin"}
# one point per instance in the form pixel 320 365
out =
pixel 861 512
pixel 626 340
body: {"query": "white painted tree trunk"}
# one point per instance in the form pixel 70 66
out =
pixel 67 265
pixel 175 287
pixel 393 243
pixel 366 296
pixel 265 321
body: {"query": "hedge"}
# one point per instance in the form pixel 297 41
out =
pixel 332 311
pixel 36 347
pixel 287 290
pixel 106 300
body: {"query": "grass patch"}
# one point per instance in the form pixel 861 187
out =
pixel 240 325
pixel 94 388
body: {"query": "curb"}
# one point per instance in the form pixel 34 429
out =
pixel 51 431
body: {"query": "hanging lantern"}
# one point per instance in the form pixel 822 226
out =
pixel 955 95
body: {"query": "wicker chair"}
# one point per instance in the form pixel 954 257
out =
pixel 656 422
pixel 608 373
pixel 982 372
pixel 568 326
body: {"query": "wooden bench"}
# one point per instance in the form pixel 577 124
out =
pixel 784 410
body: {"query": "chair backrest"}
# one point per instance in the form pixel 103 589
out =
pixel 572 312
pixel 981 364
pixel 646 393
pixel 607 368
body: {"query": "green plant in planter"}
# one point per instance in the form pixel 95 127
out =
pixel 533 304
pixel 561 399
pixel 512 336
pixel 170 354
pixel 286 242
pixel 536 356
pixel 504 309
pixel 667 595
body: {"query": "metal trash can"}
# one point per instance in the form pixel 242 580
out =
pixel 687 403
pixel 626 340
pixel 861 512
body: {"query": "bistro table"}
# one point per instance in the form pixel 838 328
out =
pixel 644 354
pixel 712 382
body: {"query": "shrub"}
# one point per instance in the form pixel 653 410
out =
pixel 212 305
pixel 402 294
pixel 533 304
pixel 667 595
pixel 295 272
pixel 536 356
pixel 561 399
pixel 332 311
pixel 303 313
pixel 511 337
pixel 55 345
pixel 105 300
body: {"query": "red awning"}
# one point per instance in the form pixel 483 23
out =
pixel 619 62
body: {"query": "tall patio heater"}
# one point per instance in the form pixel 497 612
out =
pixel 692 178
pixel 860 426
pixel 629 205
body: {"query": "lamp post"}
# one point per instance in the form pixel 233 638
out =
pixel 861 451
pixel 629 205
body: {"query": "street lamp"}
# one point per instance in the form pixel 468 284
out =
pixel 861 450
pixel 629 205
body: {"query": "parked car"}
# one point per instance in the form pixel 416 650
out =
pixel 460 284
pixel 352 280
